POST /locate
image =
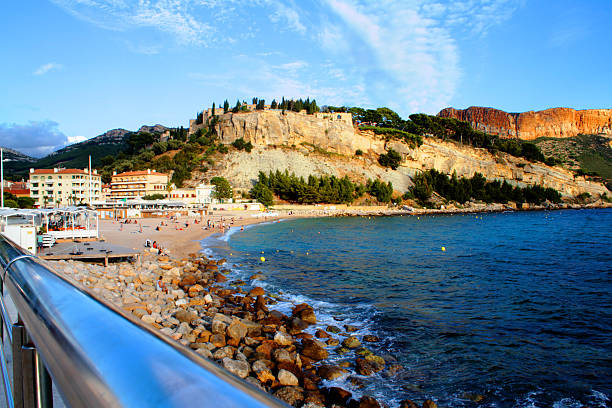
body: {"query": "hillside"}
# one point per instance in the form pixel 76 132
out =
pixel 318 153
pixel 555 122
pixel 76 155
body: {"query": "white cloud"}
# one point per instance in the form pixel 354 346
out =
pixel 35 138
pixel 75 139
pixel 43 69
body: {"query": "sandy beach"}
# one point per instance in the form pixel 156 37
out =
pixel 178 237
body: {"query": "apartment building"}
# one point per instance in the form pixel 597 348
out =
pixel 135 184
pixel 51 188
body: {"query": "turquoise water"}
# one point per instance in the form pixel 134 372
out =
pixel 516 309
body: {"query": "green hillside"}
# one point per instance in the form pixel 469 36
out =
pixel 586 154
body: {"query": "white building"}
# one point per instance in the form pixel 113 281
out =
pixel 64 187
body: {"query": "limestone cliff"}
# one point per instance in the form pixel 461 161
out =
pixel 317 144
pixel 555 122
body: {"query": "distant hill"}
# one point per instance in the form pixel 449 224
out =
pixel 77 155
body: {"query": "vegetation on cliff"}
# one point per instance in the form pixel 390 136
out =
pixel 390 159
pixel 478 188
pixel 317 189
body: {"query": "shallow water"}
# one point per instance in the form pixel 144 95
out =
pixel 516 309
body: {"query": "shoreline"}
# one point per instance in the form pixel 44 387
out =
pixel 180 241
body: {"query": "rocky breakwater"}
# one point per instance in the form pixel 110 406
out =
pixel 555 122
pixel 238 328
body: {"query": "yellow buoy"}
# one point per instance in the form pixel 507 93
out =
pixel 443 249
pixel 262 259
pixel 262 252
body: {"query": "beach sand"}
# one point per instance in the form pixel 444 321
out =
pixel 174 237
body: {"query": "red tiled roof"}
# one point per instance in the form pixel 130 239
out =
pixel 18 191
pixel 62 171
pixel 140 173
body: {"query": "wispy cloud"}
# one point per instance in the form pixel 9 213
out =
pixel 43 69
pixel 401 53
pixel 287 15
pixel 293 66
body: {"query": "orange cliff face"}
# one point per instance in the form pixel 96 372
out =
pixel 555 122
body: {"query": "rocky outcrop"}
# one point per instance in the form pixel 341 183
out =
pixel 555 122
pixel 278 128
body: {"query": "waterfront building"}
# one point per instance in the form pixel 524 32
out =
pixel 202 194
pixel 137 184
pixel 52 188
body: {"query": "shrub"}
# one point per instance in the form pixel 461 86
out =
pixel 390 159
pixel 358 152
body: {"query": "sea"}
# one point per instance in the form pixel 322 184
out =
pixel 480 310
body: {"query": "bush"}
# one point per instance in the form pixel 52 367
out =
pixel 154 197
pixel 390 159
pixel 358 152
pixel 240 144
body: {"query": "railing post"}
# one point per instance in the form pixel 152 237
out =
pixel 28 364
pixel 17 347
pixel 44 384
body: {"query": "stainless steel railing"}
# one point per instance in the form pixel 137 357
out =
pixel 95 356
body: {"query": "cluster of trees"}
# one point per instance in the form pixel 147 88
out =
pixel 296 105
pixel 477 187
pixel 12 201
pixel 317 189
pixel 240 144
pixel 223 189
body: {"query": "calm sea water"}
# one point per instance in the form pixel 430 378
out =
pixel 517 309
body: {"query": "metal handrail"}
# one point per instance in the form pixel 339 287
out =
pixel 97 357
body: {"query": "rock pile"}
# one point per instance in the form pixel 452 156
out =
pixel 236 328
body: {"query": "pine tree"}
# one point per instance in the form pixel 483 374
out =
pixel 273 105
pixel 213 109
pixel 225 106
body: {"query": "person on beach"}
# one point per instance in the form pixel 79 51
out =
pixel 160 285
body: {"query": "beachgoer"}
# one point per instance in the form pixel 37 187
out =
pixel 160 285
pixel 155 244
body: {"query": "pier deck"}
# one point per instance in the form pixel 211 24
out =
pixel 82 251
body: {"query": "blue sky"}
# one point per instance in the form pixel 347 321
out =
pixel 72 69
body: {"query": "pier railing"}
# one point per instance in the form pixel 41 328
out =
pixel 95 356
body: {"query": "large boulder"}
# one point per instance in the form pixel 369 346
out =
pixel 236 367
pixel 237 330
pixel 287 378
pixel 314 349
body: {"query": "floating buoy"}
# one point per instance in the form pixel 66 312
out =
pixel 262 252
pixel 262 259
pixel 231 254
pixel 443 249
pixel 306 253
